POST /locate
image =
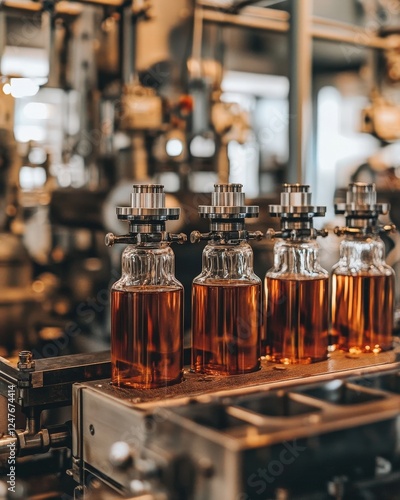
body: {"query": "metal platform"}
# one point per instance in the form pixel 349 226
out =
pixel 270 376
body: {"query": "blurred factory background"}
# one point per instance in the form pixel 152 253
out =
pixel 98 94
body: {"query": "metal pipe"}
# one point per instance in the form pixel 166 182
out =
pixel 248 11
pixel 320 29
pixel 65 7
pixel 300 50
pixel 15 5
pixel 245 21
pixel 106 3
pixel 251 17
pixel 356 37
pixel 335 23
pixel 3 35
pixel 48 23
pixel 197 42
pixel 128 46
pixel 242 4
pixel 279 15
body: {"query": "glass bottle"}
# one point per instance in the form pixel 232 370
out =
pixel 296 287
pixel 362 283
pixel 226 296
pixel 147 301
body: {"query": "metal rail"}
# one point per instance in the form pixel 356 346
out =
pixel 279 22
pixel 249 17
pixel 59 7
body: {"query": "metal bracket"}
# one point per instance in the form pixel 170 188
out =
pixel 295 234
pixel 138 238
pixel 364 231
pixel 226 236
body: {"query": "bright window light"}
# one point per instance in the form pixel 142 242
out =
pixel 271 86
pixel 37 156
pixel 339 150
pixel 7 88
pixel 202 182
pixel 24 62
pixel 202 147
pixel 23 87
pixel 174 147
pixel 32 177
pixel 26 133
pixel 38 111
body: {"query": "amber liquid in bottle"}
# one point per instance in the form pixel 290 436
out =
pixel 359 312
pixel 226 328
pixel 297 320
pixel 146 338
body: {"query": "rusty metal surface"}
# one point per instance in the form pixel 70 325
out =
pixel 339 365
pixel 52 379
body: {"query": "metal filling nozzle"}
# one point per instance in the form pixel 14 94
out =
pixel 147 216
pixel 296 213
pixel 227 214
pixel 362 211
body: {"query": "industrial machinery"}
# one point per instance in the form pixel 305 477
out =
pixel 140 92
pixel 327 430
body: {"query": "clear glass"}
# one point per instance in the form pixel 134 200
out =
pixel 226 312
pixel 296 304
pixel 147 319
pixel 362 296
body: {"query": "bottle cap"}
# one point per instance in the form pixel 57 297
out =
pixel 296 203
pixel 147 204
pixel 228 202
pixel 361 202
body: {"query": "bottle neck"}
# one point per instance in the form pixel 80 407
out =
pixel 228 262
pixel 361 253
pixel 293 259
pixel 151 264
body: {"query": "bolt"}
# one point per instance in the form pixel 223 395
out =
pixel 109 239
pixel 195 236
pixel 257 235
pixel 91 429
pixel 25 362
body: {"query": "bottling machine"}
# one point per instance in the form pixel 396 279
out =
pixel 289 431
pixel 327 430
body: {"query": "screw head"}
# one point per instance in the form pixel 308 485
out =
pixel 25 361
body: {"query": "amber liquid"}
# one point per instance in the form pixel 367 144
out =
pixel 296 320
pixel 226 322
pixel 362 312
pixel 147 336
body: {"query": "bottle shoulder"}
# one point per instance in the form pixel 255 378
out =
pixel 241 248
pixel 148 250
pixel 206 278
pixel 382 269
pixel 316 274
pixel 134 285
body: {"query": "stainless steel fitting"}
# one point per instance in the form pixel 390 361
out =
pixel 146 215
pixel 227 213
pixel 296 212
pixel 362 211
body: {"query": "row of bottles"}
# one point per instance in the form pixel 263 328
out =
pixel 230 314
